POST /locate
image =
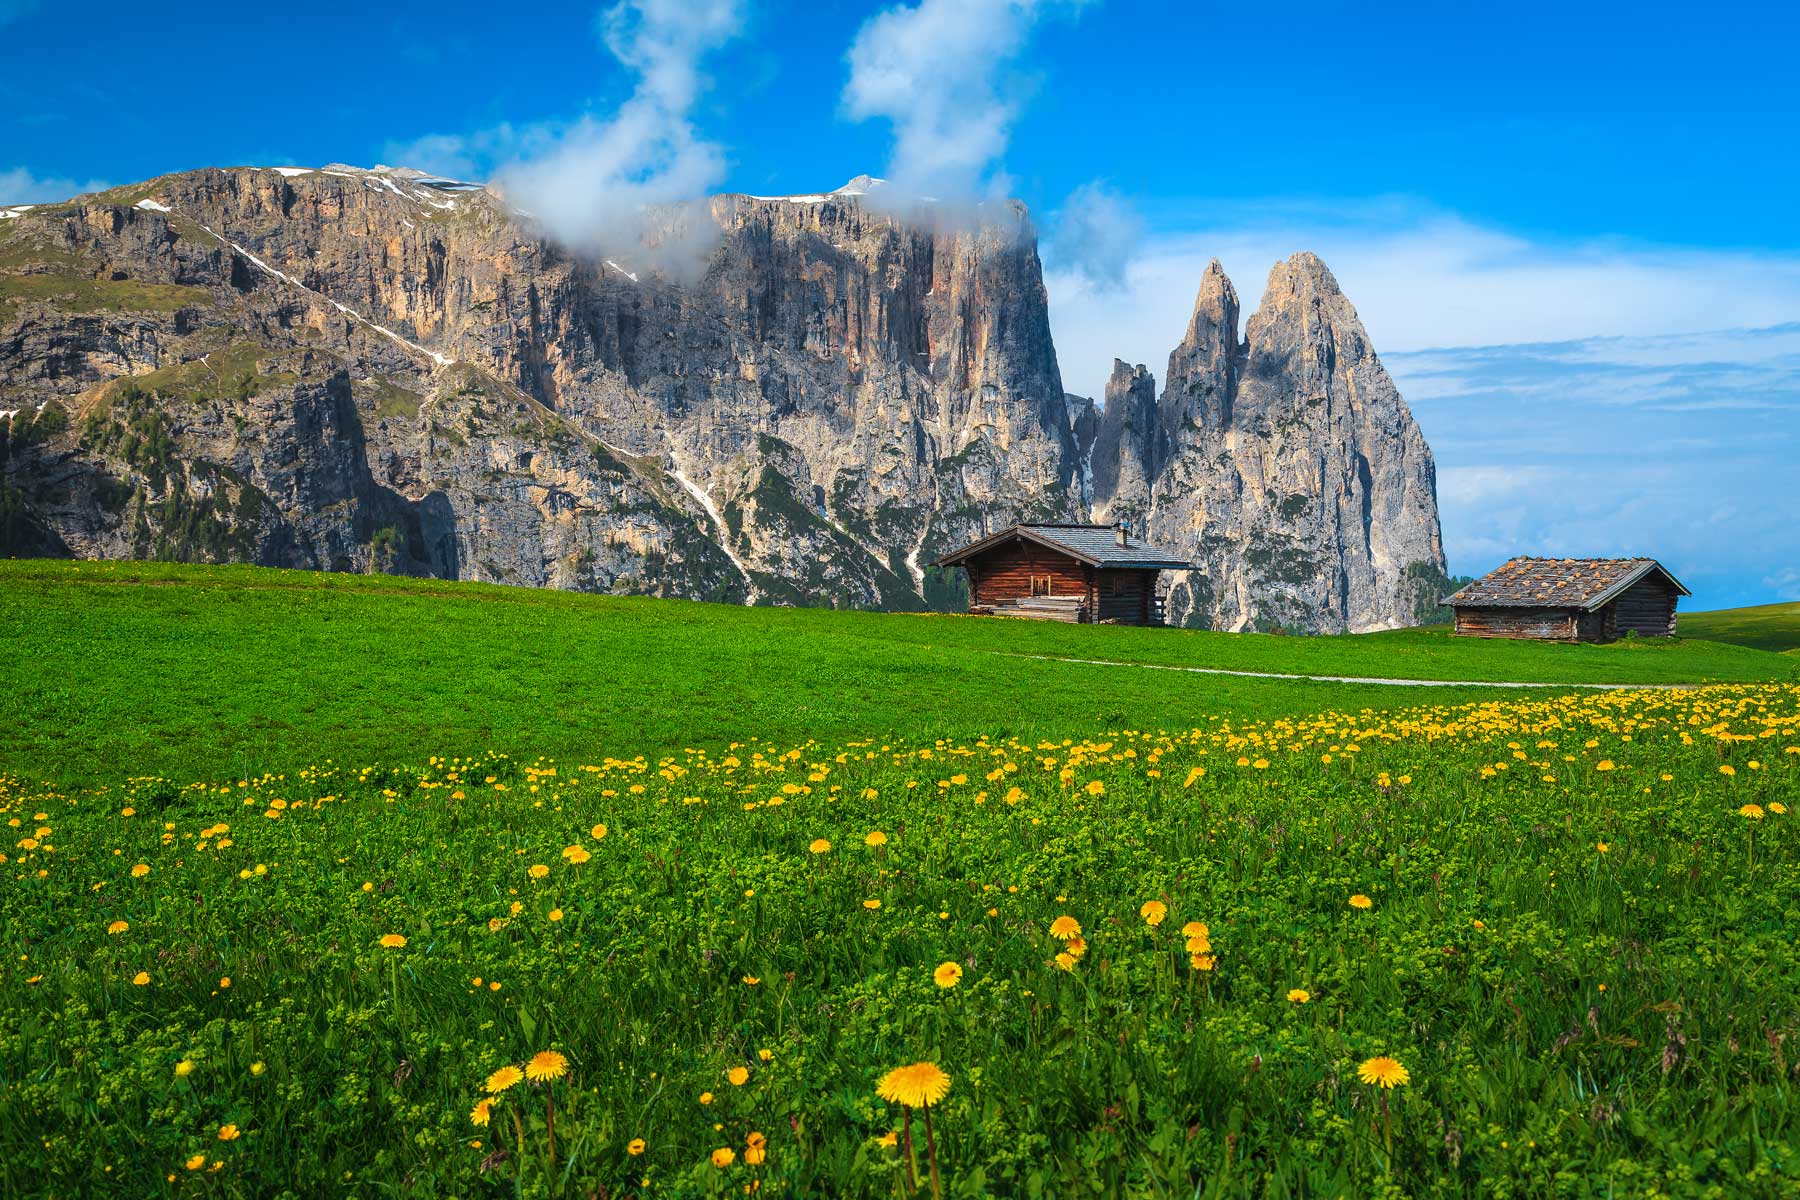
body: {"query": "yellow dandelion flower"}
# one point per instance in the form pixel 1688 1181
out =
pixel 706 1097
pixel 141 978
pixel 635 1147
pixel 538 871
pixel 1753 812
pixel 917 1086
pixel 1065 960
pixel 257 1068
pixel 875 838
pixel 393 941
pixel 1298 996
pixel 755 1156
pixel 1603 847
pixel 1383 1071
pixel 1095 787
pixel 576 855
pixel 141 870
pixel 752 980
pixel 723 1157
pixel 1361 901
pixel 1727 769
pixel 1777 807
pixel 871 905
pixel 118 927
pixel 196 1162
pixel 888 1140
pixel 546 1065
pixel 502 1079
pixel 482 1113
pixel 1202 962
pixel 1065 927
pixel 820 846
pixel 1153 912
pixel 184 1068
pixel 738 1076
pixel 947 975
pixel 1605 764
pixel 1076 946
pixel 556 914
pixel 598 832
pixel 228 1133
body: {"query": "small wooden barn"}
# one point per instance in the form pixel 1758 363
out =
pixel 1570 600
pixel 1089 574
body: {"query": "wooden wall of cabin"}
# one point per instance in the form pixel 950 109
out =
pixel 1546 624
pixel 1124 597
pixel 1005 573
pixel 1646 608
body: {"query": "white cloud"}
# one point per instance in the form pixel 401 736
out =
pixel 590 180
pixel 591 184
pixel 20 186
pixel 942 72
pixel 1786 583
pixel 1421 279
pixel 1095 235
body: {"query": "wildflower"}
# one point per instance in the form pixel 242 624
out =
pixel 752 980
pixel 141 978
pixel 1361 901
pixel 141 870
pixel 1602 847
pixel 738 1076
pixel 118 927
pixel 196 1162
pixel 184 1068
pixel 598 832
pixel 1095 787
pixel 820 846
pixel 504 1078
pixel 1195 929
pixel 1065 960
pixel 1153 912
pixel 576 855
pixel 1753 812
pixel 947 975
pixel 482 1112
pixel 723 1157
pixel 228 1133
pixel 538 871
pixel 875 838
pixel 1298 996
pixel 706 1097
pixel 1065 927
pixel 871 905
pixel 1202 962
pixel 1076 947
pixel 888 1140
pixel 546 1065
pixel 765 1055
pixel 635 1147
pixel 1727 769
pixel 257 1068
pixel 915 1086
pixel 1383 1071
pixel 556 914
pixel 1777 807
pixel 393 941
pixel 224 982
pixel 1605 764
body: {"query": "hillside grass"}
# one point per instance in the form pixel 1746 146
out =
pixel 1149 965
pixel 136 668
pixel 1771 627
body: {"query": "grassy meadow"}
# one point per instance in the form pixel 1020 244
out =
pixel 325 886
pixel 1773 627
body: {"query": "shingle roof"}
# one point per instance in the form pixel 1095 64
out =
pixel 1096 545
pixel 1584 583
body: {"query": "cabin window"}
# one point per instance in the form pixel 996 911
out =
pixel 1040 585
pixel 1112 584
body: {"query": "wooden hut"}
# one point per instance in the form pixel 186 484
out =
pixel 1570 600
pixel 1089 574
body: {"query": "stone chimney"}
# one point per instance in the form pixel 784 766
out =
pixel 1120 529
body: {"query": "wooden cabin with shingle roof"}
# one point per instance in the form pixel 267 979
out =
pixel 1086 574
pixel 1570 600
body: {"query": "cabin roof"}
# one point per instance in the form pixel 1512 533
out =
pixel 1096 545
pixel 1584 583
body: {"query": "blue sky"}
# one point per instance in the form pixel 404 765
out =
pixel 1563 224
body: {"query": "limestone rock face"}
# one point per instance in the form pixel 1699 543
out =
pixel 796 400
pixel 824 397
pixel 1297 477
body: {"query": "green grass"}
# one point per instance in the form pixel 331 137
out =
pixel 122 668
pixel 79 294
pixel 1772 627
pixel 1579 950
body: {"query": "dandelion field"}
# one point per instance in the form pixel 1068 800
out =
pixel 1541 945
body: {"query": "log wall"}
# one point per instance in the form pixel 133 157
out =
pixel 1005 573
pixel 1544 624
pixel 1646 608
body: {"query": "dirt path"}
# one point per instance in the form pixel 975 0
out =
pixel 1489 683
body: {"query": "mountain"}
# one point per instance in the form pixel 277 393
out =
pixel 764 399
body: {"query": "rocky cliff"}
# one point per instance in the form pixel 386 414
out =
pixel 779 400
